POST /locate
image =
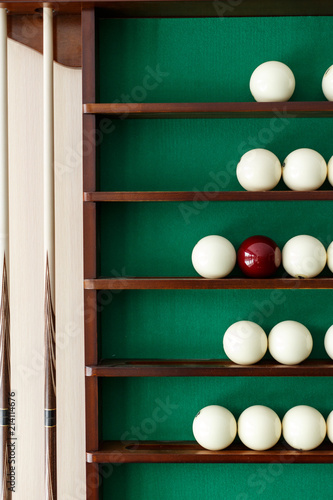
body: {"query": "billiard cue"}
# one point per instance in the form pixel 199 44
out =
pixel 4 255
pixel 49 264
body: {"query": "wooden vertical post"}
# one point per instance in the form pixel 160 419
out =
pixel 89 227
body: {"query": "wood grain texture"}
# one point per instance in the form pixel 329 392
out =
pixel 27 264
pixel 89 243
pixel 5 493
pixel 189 452
pixel 196 8
pixel 50 419
pixel 291 109
pixel 28 30
pixel 69 291
pixel 27 275
pixel 28 7
pixel 147 196
pixel 207 284
pixel 206 368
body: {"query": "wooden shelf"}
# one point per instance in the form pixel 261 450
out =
pixel 288 110
pixel 206 368
pixel 190 452
pixel 155 196
pixel 206 284
pixel 114 452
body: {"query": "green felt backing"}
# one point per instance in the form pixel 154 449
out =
pixel 208 59
pixel 129 403
pixel 145 239
pixel 220 482
pixel 193 155
pixel 205 60
pixel 190 324
pixel 130 411
pixel 149 409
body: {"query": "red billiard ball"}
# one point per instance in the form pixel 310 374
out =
pixel 259 257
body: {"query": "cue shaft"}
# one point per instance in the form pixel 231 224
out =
pixel 48 143
pixel 5 493
pixel 49 252
pixel 4 220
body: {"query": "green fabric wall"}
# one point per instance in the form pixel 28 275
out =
pixel 141 239
pixel 206 60
pixel 210 59
pixel 220 482
pixel 127 402
pixel 190 323
pixel 199 154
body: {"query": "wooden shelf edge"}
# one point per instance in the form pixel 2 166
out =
pixel 281 110
pixel 206 368
pixel 206 284
pixel 162 196
pixel 190 452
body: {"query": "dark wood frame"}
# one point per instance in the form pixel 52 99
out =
pixel 164 196
pixel 89 246
pixel 181 8
pixel 159 283
pixel 125 452
pixel 180 452
pixel 28 30
pixel 292 109
pixel 206 368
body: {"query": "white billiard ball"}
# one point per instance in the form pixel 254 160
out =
pixel 330 426
pixel 304 427
pixel 327 84
pixel 290 342
pixel 214 427
pixel 259 428
pixel 330 257
pixel 304 256
pixel 272 81
pixel 304 170
pixel 259 170
pixel 245 343
pixel 214 257
pixel 328 342
pixel 330 171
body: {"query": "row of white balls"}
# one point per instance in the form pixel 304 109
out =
pixel 302 170
pixel 259 427
pixel 273 81
pixel 303 256
pixel 289 342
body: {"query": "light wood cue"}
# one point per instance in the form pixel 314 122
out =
pixel 4 256
pixel 49 254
